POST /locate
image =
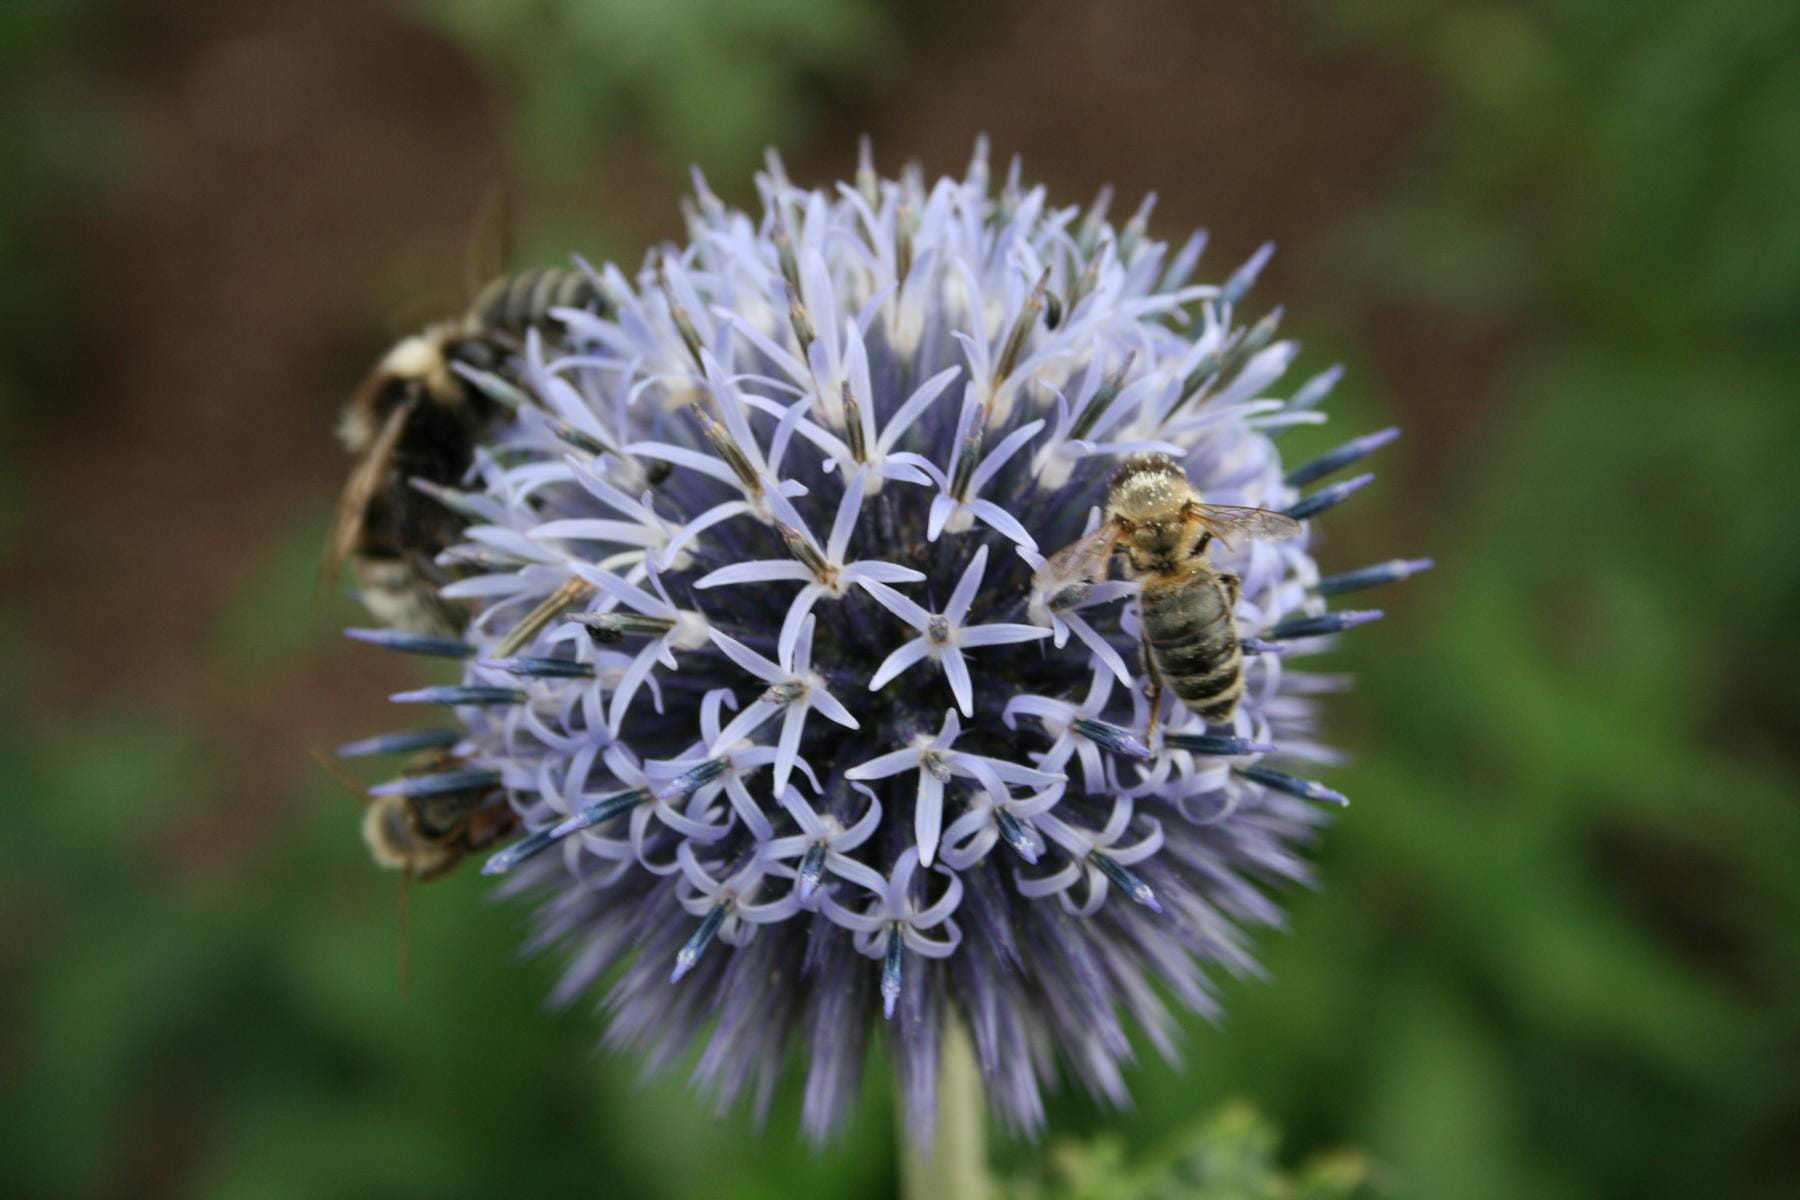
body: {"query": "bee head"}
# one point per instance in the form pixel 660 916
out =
pixel 1151 504
pixel 1159 538
pixel 415 369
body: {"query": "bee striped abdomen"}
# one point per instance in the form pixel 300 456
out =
pixel 1193 637
pixel 515 302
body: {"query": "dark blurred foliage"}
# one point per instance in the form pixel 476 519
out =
pixel 1557 950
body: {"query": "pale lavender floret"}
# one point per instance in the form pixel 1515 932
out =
pixel 824 844
pixel 1097 856
pixel 1078 730
pixel 893 922
pixel 724 904
pixel 687 630
pixel 959 504
pixel 938 761
pixel 1067 619
pixel 718 765
pixel 793 692
pixel 817 735
pixel 943 636
pixel 1078 426
pixel 971 836
pixel 829 576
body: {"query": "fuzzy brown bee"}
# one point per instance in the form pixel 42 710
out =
pixel 1185 608
pixel 434 817
pixel 417 418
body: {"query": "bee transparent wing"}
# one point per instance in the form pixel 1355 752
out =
pixel 1085 559
pixel 490 249
pixel 1069 573
pixel 1228 521
pixel 364 482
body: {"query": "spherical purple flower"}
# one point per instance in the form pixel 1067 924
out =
pixel 808 739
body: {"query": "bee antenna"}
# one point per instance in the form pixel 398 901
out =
pixel 340 776
pixel 327 574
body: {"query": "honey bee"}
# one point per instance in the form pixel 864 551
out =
pixel 427 834
pixel 416 417
pixel 1185 608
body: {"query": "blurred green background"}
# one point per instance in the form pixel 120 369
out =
pixel 1557 953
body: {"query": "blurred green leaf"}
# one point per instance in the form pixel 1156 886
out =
pixel 1229 1154
pixel 712 81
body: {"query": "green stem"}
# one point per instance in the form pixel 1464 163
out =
pixel 956 1167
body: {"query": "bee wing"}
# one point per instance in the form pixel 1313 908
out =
pixel 1080 562
pixel 364 481
pixel 1226 521
pixel 490 249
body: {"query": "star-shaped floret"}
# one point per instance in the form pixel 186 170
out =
pixel 671 629
pixel 895 922
pixel 1097 856
pixel 1078 730
pixel 824 844
pixel 845 428
pixel 702 772
pixel 1056 603
pixel 792 692
pixel 727 906
pixel 994 818
pixel 958 504
pixel 737 457
pixel 936 762
pixel 824 573
pixel 1101 402
pixel 638 525
pixel 943 636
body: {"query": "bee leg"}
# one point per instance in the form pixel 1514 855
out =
pixel 403 932
pixel 535 620
pixel 1154 688
pixel 1233 585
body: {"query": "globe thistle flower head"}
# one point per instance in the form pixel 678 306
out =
pixel 810 735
